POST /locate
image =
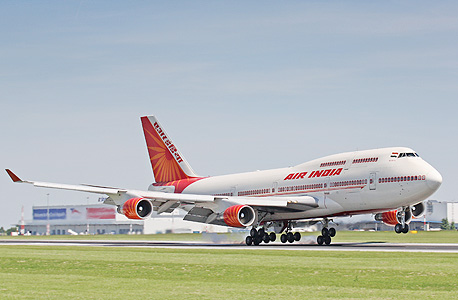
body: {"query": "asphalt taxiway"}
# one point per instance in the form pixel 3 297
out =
pixel 369 246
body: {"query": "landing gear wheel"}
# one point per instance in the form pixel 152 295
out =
pixel 406 228
pixel 256 241
pixel 327 240
pixel 290 237
pixel 324 232
pixel 283 238
pixel 266 238
pixel 272 236
pixel 320 240
pixel 261 232
pixel 253 232
pixel 297 236
pixel 398 228
pixel 249 240
pixel 332 232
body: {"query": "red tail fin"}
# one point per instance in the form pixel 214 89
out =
pixel 167 162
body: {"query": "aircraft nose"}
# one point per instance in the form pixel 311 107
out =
pixel 434 180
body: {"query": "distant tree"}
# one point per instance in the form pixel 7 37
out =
pixel 452 226
pixel 445 225
pixel 2 230
pixel 12 229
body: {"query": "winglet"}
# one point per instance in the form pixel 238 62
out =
pixel 13 176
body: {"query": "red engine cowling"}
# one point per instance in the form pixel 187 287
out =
pixel 137 208
pixel 239 216
pixel 393 217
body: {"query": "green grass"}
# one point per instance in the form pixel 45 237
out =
pixel 342 236
pixel 42 272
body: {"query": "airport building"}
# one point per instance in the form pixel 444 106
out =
pixel 79 219
pixel 103 219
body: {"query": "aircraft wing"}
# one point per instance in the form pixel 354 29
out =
pixel 166 202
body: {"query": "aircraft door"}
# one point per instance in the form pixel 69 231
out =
pixel 274 188
pixel 372 181
pixel 327 186
pixel 327 182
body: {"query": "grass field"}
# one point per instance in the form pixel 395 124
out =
pixel 39 272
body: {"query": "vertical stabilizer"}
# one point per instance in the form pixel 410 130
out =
pixel 167 162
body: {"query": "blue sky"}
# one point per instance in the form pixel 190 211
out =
pixel 239 86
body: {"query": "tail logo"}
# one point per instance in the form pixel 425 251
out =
pixel 164 156
pixel 173 150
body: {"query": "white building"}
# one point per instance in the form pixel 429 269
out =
pixel 438 210
pixel 103 219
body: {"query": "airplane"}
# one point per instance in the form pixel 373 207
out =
pixel 388 182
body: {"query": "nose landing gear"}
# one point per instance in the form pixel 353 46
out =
pixel 402 226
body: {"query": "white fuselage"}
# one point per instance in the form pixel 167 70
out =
pixel 344 184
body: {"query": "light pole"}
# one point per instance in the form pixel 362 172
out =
pixel 47 214
pixel 87 219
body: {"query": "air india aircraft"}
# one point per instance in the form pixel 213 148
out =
pixel 390 183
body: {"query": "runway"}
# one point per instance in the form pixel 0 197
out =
pixel 369 246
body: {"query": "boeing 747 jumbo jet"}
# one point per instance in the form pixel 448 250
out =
pixel 390 183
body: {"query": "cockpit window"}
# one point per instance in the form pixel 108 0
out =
pixel 409 154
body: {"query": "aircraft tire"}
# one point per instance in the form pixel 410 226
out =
pixel 327 240
pixel 290 237
pixel 332 232
pixel 272 236
pixel 405 229
pixel 253 232
pixel 266 238
pixel 398 228
pixel 320 240
pixel 325 231
pixel 283 238
pixel 256 241
pixel 297 236
pixel 249 240
pixel 261 232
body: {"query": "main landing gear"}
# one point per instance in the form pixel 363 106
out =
pixel 326 234
pixel 288 236
pixel 256 237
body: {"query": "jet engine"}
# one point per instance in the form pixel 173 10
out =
pixel 137 208
pixel 418 210
pixel 393 217
pixel 239 216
